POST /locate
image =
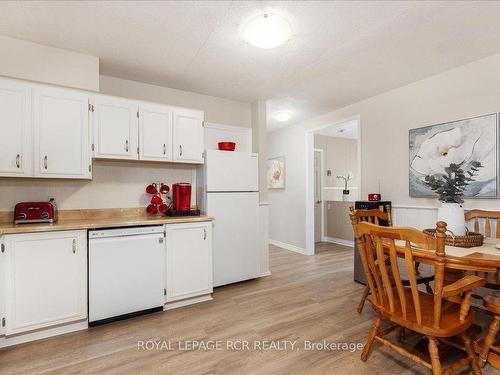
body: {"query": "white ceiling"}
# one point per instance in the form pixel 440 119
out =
pixel 339 53
pixel 348 129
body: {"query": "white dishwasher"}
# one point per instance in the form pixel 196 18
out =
pixel 126 272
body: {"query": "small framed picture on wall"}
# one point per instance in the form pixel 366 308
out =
pixel 276 173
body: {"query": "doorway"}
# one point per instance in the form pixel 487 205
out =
pixel 333 181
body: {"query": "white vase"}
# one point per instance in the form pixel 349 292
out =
pixel 453 215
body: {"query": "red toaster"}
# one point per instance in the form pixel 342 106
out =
pixel 35 212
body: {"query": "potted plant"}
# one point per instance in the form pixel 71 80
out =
pixel 450 187
pixel 346 178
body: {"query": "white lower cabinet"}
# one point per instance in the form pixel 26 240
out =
pixel 46 280
pixel 189 260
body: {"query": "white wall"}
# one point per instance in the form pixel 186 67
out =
pixel 466 91
pixel 36 62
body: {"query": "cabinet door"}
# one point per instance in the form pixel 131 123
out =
pixel 155 132
pixel 46 276
pixel 188 136
pixel 189 260
pixel 61 133
pixel 115 128
pixel 15 129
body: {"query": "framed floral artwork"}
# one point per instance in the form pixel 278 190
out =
pixel 276 173
pixel 464 148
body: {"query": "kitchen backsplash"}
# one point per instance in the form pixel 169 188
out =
pixel 115 184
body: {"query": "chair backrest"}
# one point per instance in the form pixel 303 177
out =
pixel 373 216
pixel 488 217
pixel 379 254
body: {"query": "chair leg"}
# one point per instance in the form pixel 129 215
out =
pixel 366 292
pixel 371 338
pixel 470 353
pixel 434 353
pixel 489 340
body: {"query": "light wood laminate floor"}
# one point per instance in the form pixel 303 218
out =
pixel 306 298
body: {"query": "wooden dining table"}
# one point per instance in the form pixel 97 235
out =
pixel 485 258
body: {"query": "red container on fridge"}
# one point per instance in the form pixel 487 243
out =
pixel 181 196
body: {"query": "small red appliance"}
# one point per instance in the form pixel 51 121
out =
pixel 226 146
pixel 35 212
pixel 181 196
pixel 374 197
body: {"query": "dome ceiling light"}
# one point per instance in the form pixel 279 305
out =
pixel 282 116
pixel 266 31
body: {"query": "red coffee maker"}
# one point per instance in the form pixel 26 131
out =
pixel 181 196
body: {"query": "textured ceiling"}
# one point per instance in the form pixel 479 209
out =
pixel 339 53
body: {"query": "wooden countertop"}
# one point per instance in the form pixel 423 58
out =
pixel 93 219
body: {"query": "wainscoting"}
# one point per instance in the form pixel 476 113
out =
pixel 420 217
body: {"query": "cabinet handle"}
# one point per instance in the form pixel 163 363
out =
pixel 126 145
pixel 74 246
pixel 45 162
pixel 180 150
pixel 164 149
pixel 204 234
pixel 18 161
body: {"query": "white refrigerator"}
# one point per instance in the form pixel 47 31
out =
pixel 232 197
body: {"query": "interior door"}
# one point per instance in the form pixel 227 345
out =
pixel 236 250
pixel 15 129
pixel 115 128
pixel 61 133
pixel 155 132
pixel 318 202
pixel 46 275
pixel 188 136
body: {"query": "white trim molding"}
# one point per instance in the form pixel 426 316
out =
pixel 339 241
pixel 288 246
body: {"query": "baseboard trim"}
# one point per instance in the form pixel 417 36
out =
pixel 187 301
pixel 339 241
pixel 288 246
pixel 43 333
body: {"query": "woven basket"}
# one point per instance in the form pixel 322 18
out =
pixel 471 239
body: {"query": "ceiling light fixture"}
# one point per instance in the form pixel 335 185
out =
pixel 266 31
pixel 282 116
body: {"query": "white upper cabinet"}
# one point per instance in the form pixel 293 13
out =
pixel 61 133
pixel 188 136
pixel 115 129
pixel 15 129
pixel 155 132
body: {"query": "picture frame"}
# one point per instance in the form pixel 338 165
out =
pixel 276 173
pixel 433 147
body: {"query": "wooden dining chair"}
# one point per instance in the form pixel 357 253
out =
pixel 441 316
pixel 377 217
pixel 489 217
pixel 489 352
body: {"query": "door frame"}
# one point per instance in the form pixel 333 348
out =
pixel 309 148
pixel 321 166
